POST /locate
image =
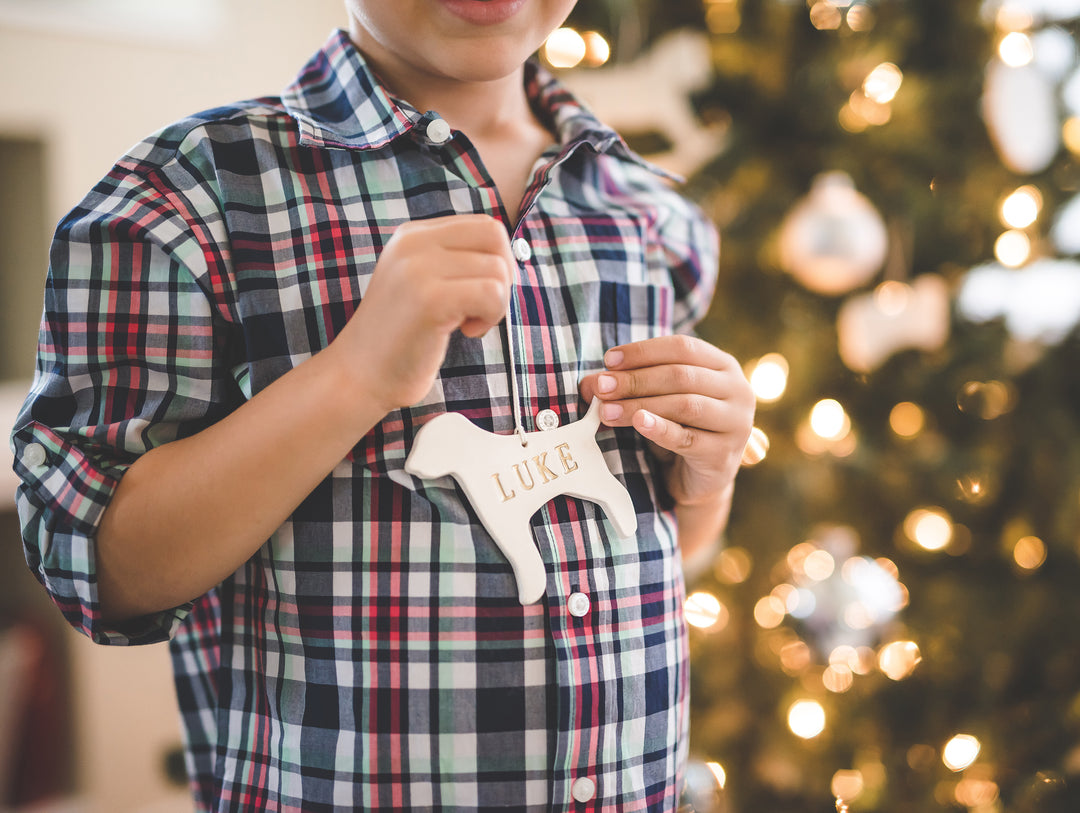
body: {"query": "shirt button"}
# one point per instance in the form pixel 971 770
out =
pixel 547 419
pixel 438 131
pixel 522 250
pixel 578 604
pixel 34 456
pixel 583 789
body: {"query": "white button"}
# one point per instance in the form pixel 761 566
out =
pixel 583 789
pixel 522 250
pixel 578 604
pixel 438 131
pixel 547 419
pixel 34 456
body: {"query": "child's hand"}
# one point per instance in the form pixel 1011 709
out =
pixel 434 277
pixel 687 397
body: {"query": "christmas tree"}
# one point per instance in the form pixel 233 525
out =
pixel 890 623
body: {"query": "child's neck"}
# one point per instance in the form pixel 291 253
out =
pixel 495 115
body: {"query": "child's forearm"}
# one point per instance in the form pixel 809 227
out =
pixel 702 524
pixel 189 513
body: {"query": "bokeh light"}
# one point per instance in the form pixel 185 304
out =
pixel 769 377
pixel 757 447
pixel 769 612
pixel 597 50
pixel 838 678
pixel 1029 553
pixel 829 420
pixel 882 83
pixel 929 528
pixel 564 48
pixel 847 785
pixel 825 16
pixel 907 419
pixel 718 772
pixel 960 752
pixel 733 565
pixel 1012 248
pixel 1016 50
pixel 898 659
pixel 704 610
pixel 1021 208
pixel 806 719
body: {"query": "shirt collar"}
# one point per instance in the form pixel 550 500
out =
pixel 338 101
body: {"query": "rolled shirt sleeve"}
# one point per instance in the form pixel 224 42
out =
pixel 129 357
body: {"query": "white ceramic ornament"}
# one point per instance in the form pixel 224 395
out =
pixel 1020 109
pixel 507 478
pixel 896 316
pixel 652 94
pixel 833 240
pixel 1039 303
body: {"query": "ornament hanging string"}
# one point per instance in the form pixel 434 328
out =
pixel 513 365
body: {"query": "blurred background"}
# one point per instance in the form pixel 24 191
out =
pixel 890 623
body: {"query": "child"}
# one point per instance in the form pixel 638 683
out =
pixel 247 322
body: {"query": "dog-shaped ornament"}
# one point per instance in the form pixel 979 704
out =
pixel 507 478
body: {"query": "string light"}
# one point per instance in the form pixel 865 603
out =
pixel 769 612
pixel 733 565
pixel 597 50
pixel 846 787
pixel 757 447
pixel 907 419
pixel 882 83
pixel 988 400
pixel 1016 50
pixel 1029 553
pixel 976 794
pixel 806 719
pixel 828 420
pixel 825 16
pixel 859 18
pixel 1012 248
pixel 838 678
pixel 769 377
pixel 564 48
pixel 819 565
pixel 704 610
pixel 722 16
pixel 1021 208
pixel 718 773
pixel 960 752
pixel 899 659
pixel 929 528
pixel 1070 134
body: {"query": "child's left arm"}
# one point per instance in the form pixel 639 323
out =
pixel 692 401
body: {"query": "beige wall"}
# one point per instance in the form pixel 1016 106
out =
pixel 89 78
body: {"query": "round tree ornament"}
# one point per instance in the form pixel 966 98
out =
pixel 833 240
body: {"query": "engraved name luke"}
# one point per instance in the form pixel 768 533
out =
pixel 507 478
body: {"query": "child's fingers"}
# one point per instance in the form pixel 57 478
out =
pixel 667 379
pixel 661 350
pixel 667 434
pixel 686 409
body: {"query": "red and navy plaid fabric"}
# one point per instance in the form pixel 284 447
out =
pixel 373 654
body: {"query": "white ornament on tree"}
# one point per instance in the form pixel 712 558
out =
pixel 1021 114
pixel 833 240
pixel 1039 303
pixel 652 93
pixel 896 316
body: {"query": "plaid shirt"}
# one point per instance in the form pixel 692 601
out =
pixel 373 653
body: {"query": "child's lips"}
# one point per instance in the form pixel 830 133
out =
pixel 484 12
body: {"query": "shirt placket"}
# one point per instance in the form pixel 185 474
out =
pixel 571 610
